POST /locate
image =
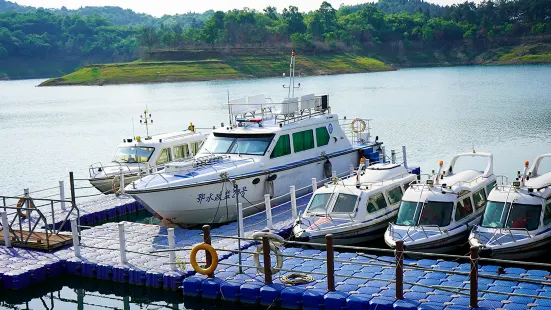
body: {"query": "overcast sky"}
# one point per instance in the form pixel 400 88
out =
pixel 170 7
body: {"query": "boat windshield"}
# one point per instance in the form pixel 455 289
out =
pixel 133 154
pixel 412 213
pixel 345 203
pixel 515 216
pixel 246 144
pixel 319 203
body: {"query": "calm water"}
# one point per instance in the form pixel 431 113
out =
pixel 436 112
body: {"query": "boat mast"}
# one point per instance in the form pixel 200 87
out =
pixel 146 120
pixel 291 93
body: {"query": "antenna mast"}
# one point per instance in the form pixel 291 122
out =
pixel 145 119
pixel 291 93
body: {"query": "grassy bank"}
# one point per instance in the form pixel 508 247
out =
pixel 216 69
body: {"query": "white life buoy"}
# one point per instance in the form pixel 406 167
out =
pixel 279 258
pixel 273 237
pixel 358 125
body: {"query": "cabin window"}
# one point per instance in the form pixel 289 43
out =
pixel 479 199
pixel 133 154
pixel 547 214
pixel 303 140
pixel 244 144
pixel 431 213
pixel 395 195
pixel 164 157
pixel 490 186
pixel 345 203
pixel 319 203
pixel 376 203
pixel 464 208
pixel 195 146
pixel 322 136
pixel 181 151
pixel 515 216
pixel 282 147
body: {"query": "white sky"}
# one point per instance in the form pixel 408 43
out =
pixel 170 7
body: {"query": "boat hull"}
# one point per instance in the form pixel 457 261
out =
pixel 215 201
pixel 519 250
pixel 105 185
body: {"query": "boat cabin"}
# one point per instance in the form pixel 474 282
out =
pixel 442 210
pixel 517 216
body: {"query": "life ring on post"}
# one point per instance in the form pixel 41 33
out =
pixel 116 190
pixel 358 125
pixel 21 204
pixel 193 259
pixel 279 259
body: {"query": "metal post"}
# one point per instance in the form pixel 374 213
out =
pixel 172 246
pixel 268 205
pixel 62 194
pixel 76 240
pixel 393 156
pixel 122 243
pixel 383 153
pixel 314 185
pixel 6 229
pixel 474 278
pixel 267 260
pixel 121 185
pixel 207 240
pixel 240 233
pixel 293 202
pixel 72 186
pixel 399 254
pixel 28 206
pixel 404 156
pixel 330 263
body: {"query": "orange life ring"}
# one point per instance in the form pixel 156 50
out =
pixel 193 259
pixel 21 204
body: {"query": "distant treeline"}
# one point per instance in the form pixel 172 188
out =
pixel 108 34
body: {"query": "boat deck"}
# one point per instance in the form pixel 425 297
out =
pixel 37 240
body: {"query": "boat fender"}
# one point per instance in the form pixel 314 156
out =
pixel 328 168
pixel 193 259
pixel 279 258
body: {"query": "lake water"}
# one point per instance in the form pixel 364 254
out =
pixel 436 112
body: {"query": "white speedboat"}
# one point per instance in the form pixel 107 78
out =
pixel 517 220
pixel 138 156
pixel 437 215
pixel 357 208
pixel 267 147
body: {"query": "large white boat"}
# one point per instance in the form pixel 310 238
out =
pixel 517 220
pixel 266 148
pixel 357 208
pixel 438 215
pixel 138 156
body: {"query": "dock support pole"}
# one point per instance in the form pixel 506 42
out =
pixel 72 186
pixel 474 278
pixel 240 234
pixel 207 240
pixel 399 254
pixel 330 263
pixel 122 243
pixel 293 202
pixel 172 246
pixel 314 185
pixel 6 229
pixel 76 240
pixel 62 194
pixel 268 205
pixel 393 156
pixel 121 185
pixel 404 156
pixel 267 260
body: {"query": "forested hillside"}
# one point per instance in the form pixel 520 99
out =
pixel 38 42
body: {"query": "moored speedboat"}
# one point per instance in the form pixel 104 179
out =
pixel 138 156
pixel 267 147
pixel 357 208
pixel 517 220
pixel 437 216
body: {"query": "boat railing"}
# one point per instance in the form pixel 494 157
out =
pixel 99 167
pixel 358 136
pixel 381 183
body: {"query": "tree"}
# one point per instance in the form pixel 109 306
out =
pixel 148 37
